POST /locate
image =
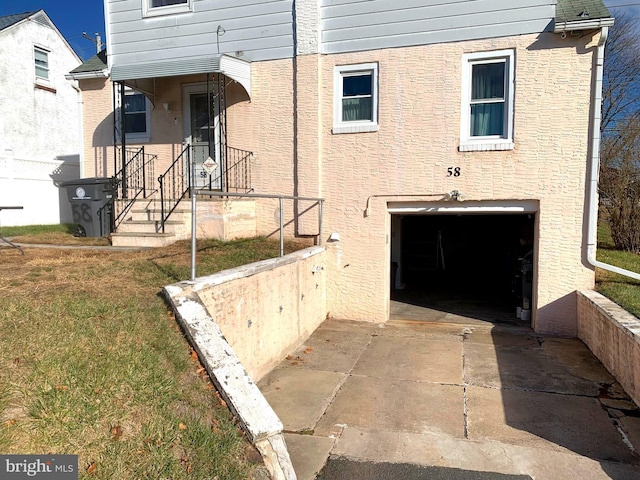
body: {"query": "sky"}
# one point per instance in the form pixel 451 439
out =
pixel 72 17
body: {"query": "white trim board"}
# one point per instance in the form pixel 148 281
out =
pixel 504 207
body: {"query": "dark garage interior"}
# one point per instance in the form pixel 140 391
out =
pixel 471 264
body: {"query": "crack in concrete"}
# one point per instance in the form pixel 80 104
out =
pixel 465 409
pixel 346 376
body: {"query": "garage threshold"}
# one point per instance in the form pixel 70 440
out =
pixel 446 308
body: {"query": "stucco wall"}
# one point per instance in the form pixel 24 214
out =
pixel 39 125
pixel 166 137
pixel 266 309
pixel 613 335
pixel 288 123
pixel 418 138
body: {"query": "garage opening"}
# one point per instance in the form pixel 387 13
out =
pixel 471 265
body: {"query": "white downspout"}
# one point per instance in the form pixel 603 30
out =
pixel 80 128
pixel 592 219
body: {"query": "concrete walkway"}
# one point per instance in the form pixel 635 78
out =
pixel 470 396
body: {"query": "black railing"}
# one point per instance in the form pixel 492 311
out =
pixel 138 181
pixel 174 184
pixel 237 177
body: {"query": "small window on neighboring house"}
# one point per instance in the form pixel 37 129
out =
pixel 487 101
pixel 165 7
pixel 41 58
pixel 355 98
pixel 136 110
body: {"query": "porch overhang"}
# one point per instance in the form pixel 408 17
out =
pixel 140 76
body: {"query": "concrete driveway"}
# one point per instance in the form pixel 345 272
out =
pixel 470 396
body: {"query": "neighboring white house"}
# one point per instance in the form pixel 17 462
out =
pixel 39 120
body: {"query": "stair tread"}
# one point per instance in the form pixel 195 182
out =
pixel 142 234
pixel 152 222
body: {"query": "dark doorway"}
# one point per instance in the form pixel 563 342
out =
pixel 471 264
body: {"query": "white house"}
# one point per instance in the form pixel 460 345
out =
pixel 39 122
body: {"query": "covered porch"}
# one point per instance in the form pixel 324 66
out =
pixel 171 130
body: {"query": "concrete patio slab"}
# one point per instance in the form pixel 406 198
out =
pixel 574 356
pixel 631 428
pixel 381 403
pixel 414 359
pixel 330 350
pixel 487 455
pixel 476 397
pixel 407 311
pixel 308 454
pixel 299 396
pixel 514 337
pixel 531 368
pixel 414 329
pixel 567 423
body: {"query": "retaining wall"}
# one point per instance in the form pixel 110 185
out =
pixel 613 335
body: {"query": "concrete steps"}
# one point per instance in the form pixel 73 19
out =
pixel 221 219
pixel 142 226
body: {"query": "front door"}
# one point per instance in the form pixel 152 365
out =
pixel 202 132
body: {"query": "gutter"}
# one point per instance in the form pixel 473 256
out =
pixel 571 26
pixel 592 218
pixel 88 75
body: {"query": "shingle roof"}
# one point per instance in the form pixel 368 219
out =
pixel 8 20
pixel 97 63
pixel 580 10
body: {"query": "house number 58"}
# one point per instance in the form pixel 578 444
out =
pixel 453 172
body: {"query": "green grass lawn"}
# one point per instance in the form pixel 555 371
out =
pixel 622 290
pixel 93 363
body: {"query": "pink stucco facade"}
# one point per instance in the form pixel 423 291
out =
pixel 288 124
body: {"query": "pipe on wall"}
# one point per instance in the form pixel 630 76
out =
pixel 592 219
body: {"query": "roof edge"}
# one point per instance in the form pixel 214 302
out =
pixel 571 26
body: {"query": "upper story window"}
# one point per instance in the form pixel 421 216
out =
pixel 165 7
pixel 41 59
pixel 137 114
pixel 487 101
pixel 355 98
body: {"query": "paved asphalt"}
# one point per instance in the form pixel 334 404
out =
pixel 345 469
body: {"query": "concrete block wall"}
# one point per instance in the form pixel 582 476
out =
pixel 613 335
pixel 267 309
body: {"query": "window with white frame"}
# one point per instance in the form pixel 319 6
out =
pixel 355 98
pixel 41 59
pixel 137 114
pixel 165 7
pixel 487 101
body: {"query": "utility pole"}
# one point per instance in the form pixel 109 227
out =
pixel 97 40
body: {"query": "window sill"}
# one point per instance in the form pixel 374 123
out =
pixel 169 10
pixel 339 129
pixel 499 145
pixel 138 138
pixel 46 88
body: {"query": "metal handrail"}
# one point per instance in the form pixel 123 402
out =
pixel 281 198
pixel 178 186
pixel 238 174
pixel 139 171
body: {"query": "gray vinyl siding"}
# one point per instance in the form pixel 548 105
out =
pixel 356 25
pixel 259 29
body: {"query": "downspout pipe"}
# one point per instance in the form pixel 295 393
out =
pixel 592 219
